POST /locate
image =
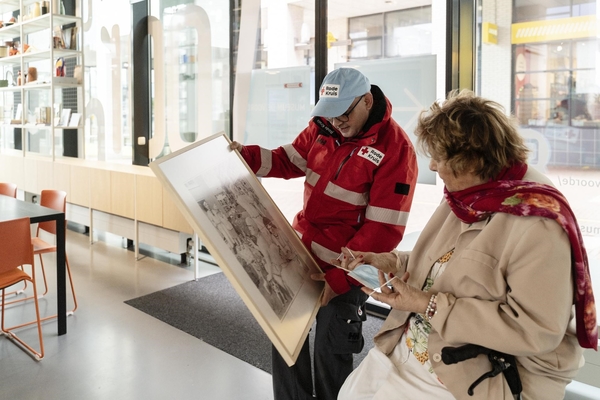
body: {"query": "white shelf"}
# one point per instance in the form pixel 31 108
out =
pixel 10 31
pixel 10 89
pixel 68 127
pixel 11 60
pixel 47 85
pixel 42 55
pixel 43 22
pixel 46 92
pixel 36 24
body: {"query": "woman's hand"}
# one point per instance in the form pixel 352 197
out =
pixel 401 295
pixel 350 259
pixel 236 146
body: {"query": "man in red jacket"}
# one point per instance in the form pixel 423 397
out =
pixel 361 171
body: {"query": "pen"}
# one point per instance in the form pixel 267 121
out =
pixel 354 258
pixel 385 284
pixel 342 255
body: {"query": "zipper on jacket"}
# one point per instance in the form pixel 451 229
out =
pixel 344 161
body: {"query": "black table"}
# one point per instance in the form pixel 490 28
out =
pixel 11 208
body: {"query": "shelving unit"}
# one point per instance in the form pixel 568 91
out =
pixel 38 130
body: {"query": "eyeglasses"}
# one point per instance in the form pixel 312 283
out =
pixel 346 116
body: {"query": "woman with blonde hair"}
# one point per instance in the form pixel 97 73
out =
pixel 495 299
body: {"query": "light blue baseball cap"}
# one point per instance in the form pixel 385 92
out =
pixel 339 89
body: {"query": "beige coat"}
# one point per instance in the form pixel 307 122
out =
pixel 507 287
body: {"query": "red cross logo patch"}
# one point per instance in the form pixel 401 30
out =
pixel 329 90
pixel 371 154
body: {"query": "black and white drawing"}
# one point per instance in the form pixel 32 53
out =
pixel 253 243
pixel 248 230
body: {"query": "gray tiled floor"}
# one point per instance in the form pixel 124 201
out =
pixel 113 351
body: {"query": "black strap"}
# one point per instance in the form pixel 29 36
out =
pixel 325 128
pixel 501 363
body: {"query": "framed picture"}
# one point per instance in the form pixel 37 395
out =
pixel 19 111
pixel 73 39
pixel 253 243
pixel 57 111
pixel 64 117
pixel 58 42
pixel 75 119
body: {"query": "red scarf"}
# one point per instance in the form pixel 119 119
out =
pixel 510 194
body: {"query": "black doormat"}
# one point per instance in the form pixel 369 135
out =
pixel 211 310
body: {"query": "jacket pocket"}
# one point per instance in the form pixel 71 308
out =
pixel 480 275
pixel 345 329
pixel 479 258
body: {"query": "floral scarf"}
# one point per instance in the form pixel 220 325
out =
pixel 508 193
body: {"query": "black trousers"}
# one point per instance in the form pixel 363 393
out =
pixel 338 335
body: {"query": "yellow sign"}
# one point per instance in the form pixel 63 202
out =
pixel 555 29
pixel 490 33
pixel 330 39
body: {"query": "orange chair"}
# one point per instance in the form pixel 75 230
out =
pixel 8 189
pixel 16 250
pixel 57 200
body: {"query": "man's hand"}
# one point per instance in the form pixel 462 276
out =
pixel 328 294
pixel 236 146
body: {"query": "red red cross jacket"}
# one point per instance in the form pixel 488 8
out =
pixel 358 191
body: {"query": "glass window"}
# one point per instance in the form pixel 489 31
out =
pixel 408 67
pixel 366 34
pixel 190 72
pixel 107 81
pixel 408 32
pixel 584 7
pixel 279 73
pixel 525 10
pixel 398 33
pixel 542 57
pixel 555 83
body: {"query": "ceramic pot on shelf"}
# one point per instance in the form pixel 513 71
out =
pixel 78 73
pixel 31 74
pixel 36 10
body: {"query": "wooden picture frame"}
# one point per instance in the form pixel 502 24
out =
pixel 73 38
pixel 58 42
pixel 248 236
